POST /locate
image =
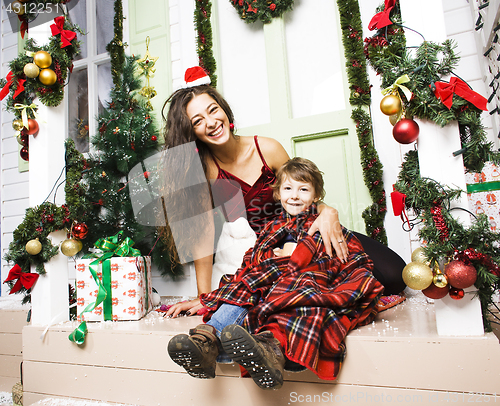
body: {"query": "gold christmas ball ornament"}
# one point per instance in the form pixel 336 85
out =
pixel 390 105
pixel 31 70
pixel 79 244
pixel 18 7
pixel 17 125
pixel 33 247
pixel 42 59
pixel 418 255
pixel 417 276
pixel 48 77
pixel 69 247
pixel 440 280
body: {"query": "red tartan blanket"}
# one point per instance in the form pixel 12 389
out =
pixel 312 299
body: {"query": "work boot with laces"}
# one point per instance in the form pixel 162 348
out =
pixel 196 352
pixel 260 354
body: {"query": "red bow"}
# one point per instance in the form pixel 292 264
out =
pixel 66 35
pixel 25 279
pixel 398 204
pixel 24 25
pixel 444 91
pixel 10 79
pixel 381 20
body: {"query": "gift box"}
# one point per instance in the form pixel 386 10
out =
pixel 483 192
pixel 123 290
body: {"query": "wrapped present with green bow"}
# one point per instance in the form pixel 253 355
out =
pixel 114 284
pixel 483 192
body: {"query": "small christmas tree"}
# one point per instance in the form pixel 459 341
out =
pixel 126 137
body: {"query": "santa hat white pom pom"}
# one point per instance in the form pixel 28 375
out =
pixel 196 76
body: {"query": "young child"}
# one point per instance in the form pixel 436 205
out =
pixel 289 302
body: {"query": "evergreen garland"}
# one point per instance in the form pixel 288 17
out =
pixel 62 64
pixel 204 44
pixel 40 221
pixel 350 21
pixel 116 46
pixel 261 10
pixel 444 237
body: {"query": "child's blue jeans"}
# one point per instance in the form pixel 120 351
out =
pixel 224 316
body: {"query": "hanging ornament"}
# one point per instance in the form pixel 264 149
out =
pixel 154 138
pixel 456 293
pixel 42 59
pixel 435 292
pixel 460 275
pixel 24 153
pixel 69 247
pixel 48 77
pixel 440 280
pixel 80 231
pixel 417 276
pixel 23 139
pixel 146 68
pixel 418 255
pixel 31 70
pixel 32 128
pixel 33 247
pixel 17 124
pixel 405 131
pixel 79 245
pixel 390 104
pixel 18 7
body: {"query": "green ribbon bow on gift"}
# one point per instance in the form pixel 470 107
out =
pixel 398 84
pixel 24 114
pixel 111 246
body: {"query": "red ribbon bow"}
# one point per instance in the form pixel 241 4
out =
pixel 66 35
pixel 25 279
pixel 10 79
pixel 444 91
pixel 24 25
pixel 381 20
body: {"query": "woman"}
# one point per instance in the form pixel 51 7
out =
pixel 198 113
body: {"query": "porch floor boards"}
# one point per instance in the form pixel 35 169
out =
pixel 397 358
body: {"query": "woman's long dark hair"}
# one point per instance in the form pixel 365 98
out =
pixel 181 167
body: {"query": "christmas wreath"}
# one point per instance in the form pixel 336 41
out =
pixel 263 10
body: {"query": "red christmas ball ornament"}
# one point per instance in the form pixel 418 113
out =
pixel 405 131
pixel 33 127
pixel 154 138
pixel 460 275
pixel 80 231
pixel 24 153
pixel 456 293
pixel 435 292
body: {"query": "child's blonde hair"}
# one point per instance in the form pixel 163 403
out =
pixel 301 170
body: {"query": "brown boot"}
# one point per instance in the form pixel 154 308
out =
pixel 260 354
pixel 197 352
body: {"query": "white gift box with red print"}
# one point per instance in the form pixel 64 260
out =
pixel 483 191
pixel 131 289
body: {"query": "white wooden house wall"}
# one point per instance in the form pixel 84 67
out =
pixel 459 20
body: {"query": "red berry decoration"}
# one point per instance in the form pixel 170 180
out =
pixel 434 292
pixel 153 138
pixel 405 131
pixel 80 231
pixel 460 275
pixel 456 293
pixel 33 127
pixel 24 153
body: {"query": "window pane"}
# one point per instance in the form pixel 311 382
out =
pixel 79 110
pixel 104 24
pixel 78 16
pixel 104 85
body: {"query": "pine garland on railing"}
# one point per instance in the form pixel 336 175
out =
pixel 204 44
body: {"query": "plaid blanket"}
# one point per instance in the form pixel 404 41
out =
pixel 310 299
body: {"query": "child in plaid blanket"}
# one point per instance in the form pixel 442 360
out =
pixel 289 301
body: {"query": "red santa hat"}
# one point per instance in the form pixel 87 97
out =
pixel 196 76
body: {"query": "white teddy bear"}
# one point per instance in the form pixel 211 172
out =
pixel 236 238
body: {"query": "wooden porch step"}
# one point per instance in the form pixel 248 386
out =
pixel 398 358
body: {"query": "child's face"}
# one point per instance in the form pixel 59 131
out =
pixel 296 196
